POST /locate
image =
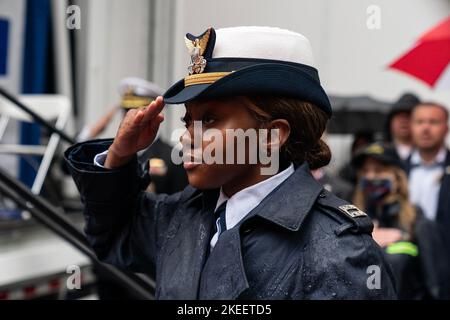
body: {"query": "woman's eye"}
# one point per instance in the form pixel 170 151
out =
pixel 208 120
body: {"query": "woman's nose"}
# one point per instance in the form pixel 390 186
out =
pixel 370 175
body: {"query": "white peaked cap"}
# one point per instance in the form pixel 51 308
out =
pixel 139 87
pixel 249 60
pixel 263 43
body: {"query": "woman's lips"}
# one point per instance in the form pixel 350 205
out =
pixel 190 165
pixel 189 162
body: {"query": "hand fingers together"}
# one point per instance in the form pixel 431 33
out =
pixel 152 110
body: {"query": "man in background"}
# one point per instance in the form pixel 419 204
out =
pixel 398 126
pixel 429 165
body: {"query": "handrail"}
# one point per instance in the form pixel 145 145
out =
pixel 36 117
pixel 49 216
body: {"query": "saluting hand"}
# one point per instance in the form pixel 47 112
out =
pixel 136 132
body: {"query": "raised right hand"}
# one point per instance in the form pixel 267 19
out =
pixel 136 132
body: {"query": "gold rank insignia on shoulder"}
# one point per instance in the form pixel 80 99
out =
pixel 196 49
pixel 352 211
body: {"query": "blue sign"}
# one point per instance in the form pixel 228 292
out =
pixel 4 28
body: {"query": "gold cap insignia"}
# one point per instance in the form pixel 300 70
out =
pixel 375 149
pixel 196 49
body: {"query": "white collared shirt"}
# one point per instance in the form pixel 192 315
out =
pixel 425 182
pixel 403 150
pixel 244 201
pixel 100 158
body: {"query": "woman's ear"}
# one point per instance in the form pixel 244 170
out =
pixel 283 131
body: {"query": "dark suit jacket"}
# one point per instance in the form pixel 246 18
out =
pixel 443 209
pixel 173 179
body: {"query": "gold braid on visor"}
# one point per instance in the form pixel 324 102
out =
pixel 204 78
pixel 131 102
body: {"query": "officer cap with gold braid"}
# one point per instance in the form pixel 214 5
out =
pixel 249 61
pixel 137 92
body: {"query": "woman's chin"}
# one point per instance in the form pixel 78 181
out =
pixel 202 180
pixel 201 183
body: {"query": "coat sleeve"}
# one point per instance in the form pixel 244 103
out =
pixel 350 267
pixel 343 261
pixel 433 257
pixel 124 224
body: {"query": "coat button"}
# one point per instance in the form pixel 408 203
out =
pixel 322 195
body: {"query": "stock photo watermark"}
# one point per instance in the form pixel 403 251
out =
pixel 373 21
pixel 236 146
pixel 73 282
pixel 73 20
pixel 374 280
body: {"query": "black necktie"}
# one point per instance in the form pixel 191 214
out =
pixel 219 214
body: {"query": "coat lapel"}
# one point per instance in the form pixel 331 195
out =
pixel 289 204
pixel 186 248
pixel 188 272
pixel 223 276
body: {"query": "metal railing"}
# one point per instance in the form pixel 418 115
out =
pixel 50 217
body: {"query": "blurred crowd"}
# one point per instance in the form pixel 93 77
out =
pixel 402 182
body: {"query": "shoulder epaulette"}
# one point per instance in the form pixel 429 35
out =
pixel 349 216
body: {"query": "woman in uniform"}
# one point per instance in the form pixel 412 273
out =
pixel 410 241
pixel 242 229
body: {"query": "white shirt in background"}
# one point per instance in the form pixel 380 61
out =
pixel 403 150
pixel 425 182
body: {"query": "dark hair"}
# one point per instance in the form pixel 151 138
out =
pixel 307 122
pixel 364 137
pixel 405 104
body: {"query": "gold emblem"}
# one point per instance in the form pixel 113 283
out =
pixel 131 101
pixel 196 49
pixel 352 211
pixel 375 149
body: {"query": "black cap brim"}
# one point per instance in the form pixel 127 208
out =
pixel 262 79
pixel 393 160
